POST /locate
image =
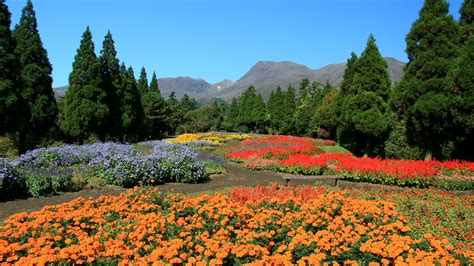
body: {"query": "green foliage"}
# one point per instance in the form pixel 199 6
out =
pixel 303 113
pixel 45 182
pixel 207 118
pixel 142 82
pixel 422 95
pixel 132 109
pixel 289 108
pixel 111 82
pixel 156 111
pixel 231 116
pixel 13 108
pixel 259 114
pixel 276 109
pixel 85 106
pixel 364 108
pixel 466 21
pixel 37 87
pixel 397 146
pixel 325 118
pixel 213 167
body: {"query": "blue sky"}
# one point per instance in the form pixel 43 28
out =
pixel 218 39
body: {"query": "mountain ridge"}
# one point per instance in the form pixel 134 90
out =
pixel 265 76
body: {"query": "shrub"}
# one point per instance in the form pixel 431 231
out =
pixel 11 184
pixel 42 182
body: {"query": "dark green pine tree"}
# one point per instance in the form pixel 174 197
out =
pixel 111 83
pixel 461 83
pixel 366 109
pixel 349 73
pixel 156 110
pixel 289 108
pixel 231 116
pixel 143 82
pixel 245 122
pixel 154 83
pixel 37 89
pixel 131 108
pixel 422 98
pixel 188 103
pixel 14 111
pixel 345 133
pixel 276 110
pixel 259 114
pixel 466 21
pixel 85 105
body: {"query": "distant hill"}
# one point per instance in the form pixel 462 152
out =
pixel 265 76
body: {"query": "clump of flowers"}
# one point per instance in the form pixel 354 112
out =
pixel 215 138
pixel 262 225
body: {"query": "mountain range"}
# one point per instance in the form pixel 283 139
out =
pixel 265 76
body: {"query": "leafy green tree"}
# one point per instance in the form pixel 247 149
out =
pixel 289 108
pixel 304 112
pixel 37 87
pixel 176 113
pixel 397 146
pixel 304 85
pixel 422 97
pixel 85 105
pixel 365 107
pixel 142 82
pixel 111 82
pixel 132 109
pixel 231 116
pixel 467 20
pixel 207 118
pixel 14 111
pixel 156 110
pixel 324 121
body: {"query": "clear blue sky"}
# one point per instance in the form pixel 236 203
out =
pixel 218 39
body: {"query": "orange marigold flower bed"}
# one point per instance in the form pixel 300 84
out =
pixel 260 225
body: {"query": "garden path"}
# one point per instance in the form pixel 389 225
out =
pixel 236 176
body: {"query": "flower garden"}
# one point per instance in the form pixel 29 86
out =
pixel 262 225
pixel 249 225
pixel 212 138
pixel 52 170
pixel 309 156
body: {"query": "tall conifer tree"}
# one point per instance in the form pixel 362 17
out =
pixel 85 105
pixel 422 98
pixel 37 87
pixel 365 106
pixel 111 82
pixel 231 117
pixel 467 20
pixel 132 109
pixel 14 111
pixel 143 81
pixel 156 111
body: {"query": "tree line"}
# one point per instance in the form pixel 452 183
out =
pixel 429 112
pixel 104 100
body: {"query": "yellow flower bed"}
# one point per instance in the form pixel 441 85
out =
pixel 214 138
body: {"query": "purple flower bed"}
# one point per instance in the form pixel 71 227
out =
pixel 122 164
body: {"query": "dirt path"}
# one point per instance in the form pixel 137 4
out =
pixel 235 176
